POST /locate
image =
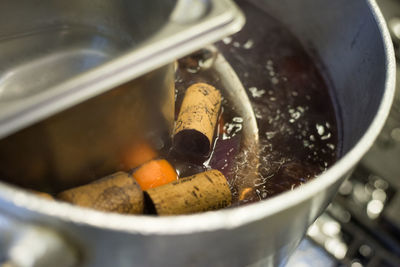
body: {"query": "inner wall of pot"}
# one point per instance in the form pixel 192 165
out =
pixel 344 40
pixel 92 139
pixel 123 21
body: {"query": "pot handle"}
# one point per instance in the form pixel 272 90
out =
pixel 29 245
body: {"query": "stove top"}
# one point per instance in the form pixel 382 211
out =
pixel 362 225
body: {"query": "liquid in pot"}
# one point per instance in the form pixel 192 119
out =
pixel 296 115
pixel 295 111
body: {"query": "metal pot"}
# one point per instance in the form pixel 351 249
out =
pixel 353 43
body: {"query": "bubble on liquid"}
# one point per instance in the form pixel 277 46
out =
pixel 256 93
pixel 274 80
pixel 206 63
pixel 325 137
pixel 300 109
pixel 178 79
pixel 193 70
pixel 232 128
pixel 227 40
pixel 295 115
pixel 259 181
pixel 331 146
pixel 327 125
pixel 270 66
pixel 306 143
pixel 264 194
pixel 270 135
pixel 320 129
pixel 236 44
pixel 237 119
pixel 248 44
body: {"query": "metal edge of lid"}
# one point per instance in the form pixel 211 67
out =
pixel 174 40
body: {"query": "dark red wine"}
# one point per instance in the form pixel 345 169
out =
pixel 295 112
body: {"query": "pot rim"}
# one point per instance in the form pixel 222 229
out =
pixel 222 219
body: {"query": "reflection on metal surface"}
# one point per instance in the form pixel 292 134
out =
pixel 25 245
pixel 62 54
pixel 327 233
pixel 187 11
pixel 309 255
pixel 394 27
pixel 395 134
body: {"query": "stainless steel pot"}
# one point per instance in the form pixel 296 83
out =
pixel 351 39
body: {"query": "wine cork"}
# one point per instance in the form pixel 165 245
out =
pixel 194 128
pixel 201 192
pixel 118 192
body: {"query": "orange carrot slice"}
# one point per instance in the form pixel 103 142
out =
pixel 244 193
pixel 155 173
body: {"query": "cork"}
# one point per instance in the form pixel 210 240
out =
pixel 195 126
pixel 201 192
pixel 118 192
